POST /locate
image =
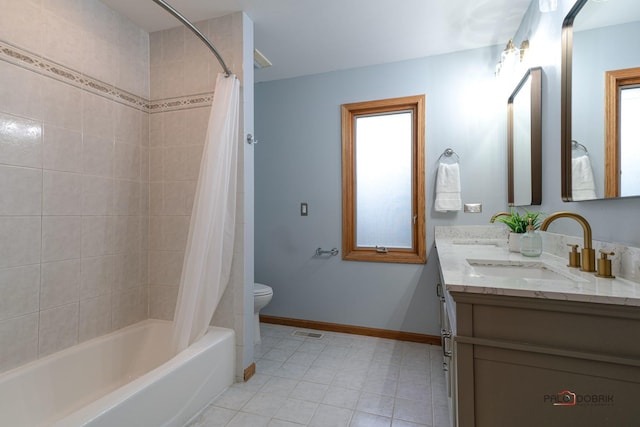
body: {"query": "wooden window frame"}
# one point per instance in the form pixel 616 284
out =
pixel 614 81
pixel 350 251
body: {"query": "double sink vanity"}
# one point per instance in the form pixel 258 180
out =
pixel 533 342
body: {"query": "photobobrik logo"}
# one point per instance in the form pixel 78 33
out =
pixel 569 398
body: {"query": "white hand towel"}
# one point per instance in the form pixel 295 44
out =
pixel 448 188
pixel 583 186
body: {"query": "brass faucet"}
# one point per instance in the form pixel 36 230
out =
pixel 496 215
pixel 588 253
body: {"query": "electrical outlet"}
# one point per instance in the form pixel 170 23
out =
pixel 304 209
pixel 473 207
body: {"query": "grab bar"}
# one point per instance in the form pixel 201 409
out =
pixel 332 252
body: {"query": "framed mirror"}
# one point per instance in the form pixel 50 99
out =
pixel 524 141
pixel 600 86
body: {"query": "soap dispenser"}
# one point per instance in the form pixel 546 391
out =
pixel 531 242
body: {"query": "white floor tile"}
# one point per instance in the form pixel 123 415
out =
pixel 414 411
pixel 296 411
pixel 320 375
pixel 279 386
pixel 264 404
pixel 243 419
pixel 233 398
pixel 311 392
pixel 375 404
pixel 362 419
pixel 331 416
pixel 342 397
pixel 214 416
pixel 338 380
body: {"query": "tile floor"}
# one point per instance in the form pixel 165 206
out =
pixel 338 380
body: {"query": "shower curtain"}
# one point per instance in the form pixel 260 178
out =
pixel 207 260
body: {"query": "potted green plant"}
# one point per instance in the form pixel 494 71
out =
pixel 518 223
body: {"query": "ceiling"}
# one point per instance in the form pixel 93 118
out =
pixel 302 37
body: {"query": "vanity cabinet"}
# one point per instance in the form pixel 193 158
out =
pixel 522 361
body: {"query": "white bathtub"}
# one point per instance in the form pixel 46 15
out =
pixel 125 378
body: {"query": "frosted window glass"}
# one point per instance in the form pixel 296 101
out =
pixel 630 150
pixel 384 211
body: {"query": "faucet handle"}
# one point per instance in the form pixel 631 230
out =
pixel 604 265
pixel 574 256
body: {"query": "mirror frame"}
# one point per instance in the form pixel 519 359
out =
pixel 565 100
pixel 535 74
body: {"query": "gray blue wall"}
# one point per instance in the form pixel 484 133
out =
pixel 298 160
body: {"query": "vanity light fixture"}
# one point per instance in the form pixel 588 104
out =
pixel 511 56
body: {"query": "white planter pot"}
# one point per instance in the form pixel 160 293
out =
pixel 514 242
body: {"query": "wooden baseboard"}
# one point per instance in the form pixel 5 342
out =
pixel 249 371
pixel 350 329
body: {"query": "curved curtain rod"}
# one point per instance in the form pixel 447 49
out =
pixel 195 31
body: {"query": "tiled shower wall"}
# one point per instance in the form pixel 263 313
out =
pixel 74 77
pixel 183 74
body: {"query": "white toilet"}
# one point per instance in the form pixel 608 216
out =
pixel 261 296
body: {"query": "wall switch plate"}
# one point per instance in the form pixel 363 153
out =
pixel 304 209
pixel 473 207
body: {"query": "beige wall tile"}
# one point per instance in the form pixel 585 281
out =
pixel 179 197
pixel 97 276
pixel 21 191
pixel 21 22
pixel 18 341
pixel 165 267
pixel 62 149
pixel 20 240
pixel 182 163
pixel 20 141
pixel 97 195
pixel 126 161
pixel 19 291
pixel 62 193
pixel 97 155
pixel 60 283
pixel 97 236
pixel 94 317
pixel 21 91
pixel 126 271
pixel 62 104
pixel 58 329
pixel 126 197
pixel 61 237
pixel 97 115
pixel 162 302
pixel 128 307
pixel 62 41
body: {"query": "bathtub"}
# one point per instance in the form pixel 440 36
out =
pixel 125 378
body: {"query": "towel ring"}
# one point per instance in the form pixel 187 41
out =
pixel 448 153
pixel 575 145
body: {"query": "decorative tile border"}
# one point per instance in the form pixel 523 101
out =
pixel 182 103
pixel 30 61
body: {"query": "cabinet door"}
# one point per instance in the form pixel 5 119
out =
pixel 518 388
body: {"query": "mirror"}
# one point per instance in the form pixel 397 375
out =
pixel 600 80
pixel 524 141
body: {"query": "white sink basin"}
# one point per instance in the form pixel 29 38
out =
pixel 537 270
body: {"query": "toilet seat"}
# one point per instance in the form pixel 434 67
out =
pixel 260 290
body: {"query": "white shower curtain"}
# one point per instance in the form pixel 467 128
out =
pixel 207 260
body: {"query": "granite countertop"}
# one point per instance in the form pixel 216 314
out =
pixel 564 283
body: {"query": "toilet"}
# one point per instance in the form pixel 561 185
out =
pixel 261 296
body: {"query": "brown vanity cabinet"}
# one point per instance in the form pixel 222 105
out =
pixel 540 362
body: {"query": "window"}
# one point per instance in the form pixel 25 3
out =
pixel 383 181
